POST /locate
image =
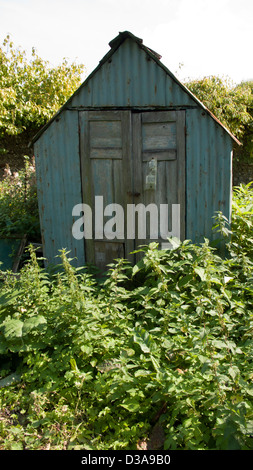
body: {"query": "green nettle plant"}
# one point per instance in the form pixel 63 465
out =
pixel 163 347
pixel 18 202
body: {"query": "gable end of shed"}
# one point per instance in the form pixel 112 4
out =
pixel 131 75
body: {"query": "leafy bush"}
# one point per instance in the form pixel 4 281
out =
pixel 240 233
pixel 247 138
pixel 228 102
pixel 18 203
pixel 242 220
pixel 232 105
pixel 31 91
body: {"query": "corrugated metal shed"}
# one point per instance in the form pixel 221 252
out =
pixel 131 77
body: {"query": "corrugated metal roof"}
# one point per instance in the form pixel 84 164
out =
pixel 115 44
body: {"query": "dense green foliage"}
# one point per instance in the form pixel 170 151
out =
pixel 95 365
pixel 31 90
pixel 241 231
pixel 18 203
pixel 247 138
pixel 231 104
pixel 242 221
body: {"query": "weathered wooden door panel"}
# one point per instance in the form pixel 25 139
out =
pixel 105 143
pixel 119 150
pixel 106 252
pixel 160 137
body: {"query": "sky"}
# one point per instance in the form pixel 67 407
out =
pixel 196 38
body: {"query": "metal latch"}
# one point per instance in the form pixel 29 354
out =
pixel 151 176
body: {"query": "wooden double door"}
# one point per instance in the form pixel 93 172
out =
pixel 130 158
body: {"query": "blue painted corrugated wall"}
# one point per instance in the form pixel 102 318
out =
pixel 208 174
pixel 59 186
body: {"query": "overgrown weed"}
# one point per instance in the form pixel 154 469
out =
pixel 166 341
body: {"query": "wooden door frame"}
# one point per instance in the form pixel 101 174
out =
pixel 132 166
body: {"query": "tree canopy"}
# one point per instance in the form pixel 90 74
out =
pixel 31 90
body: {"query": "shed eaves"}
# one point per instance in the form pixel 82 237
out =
pixel 115 44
